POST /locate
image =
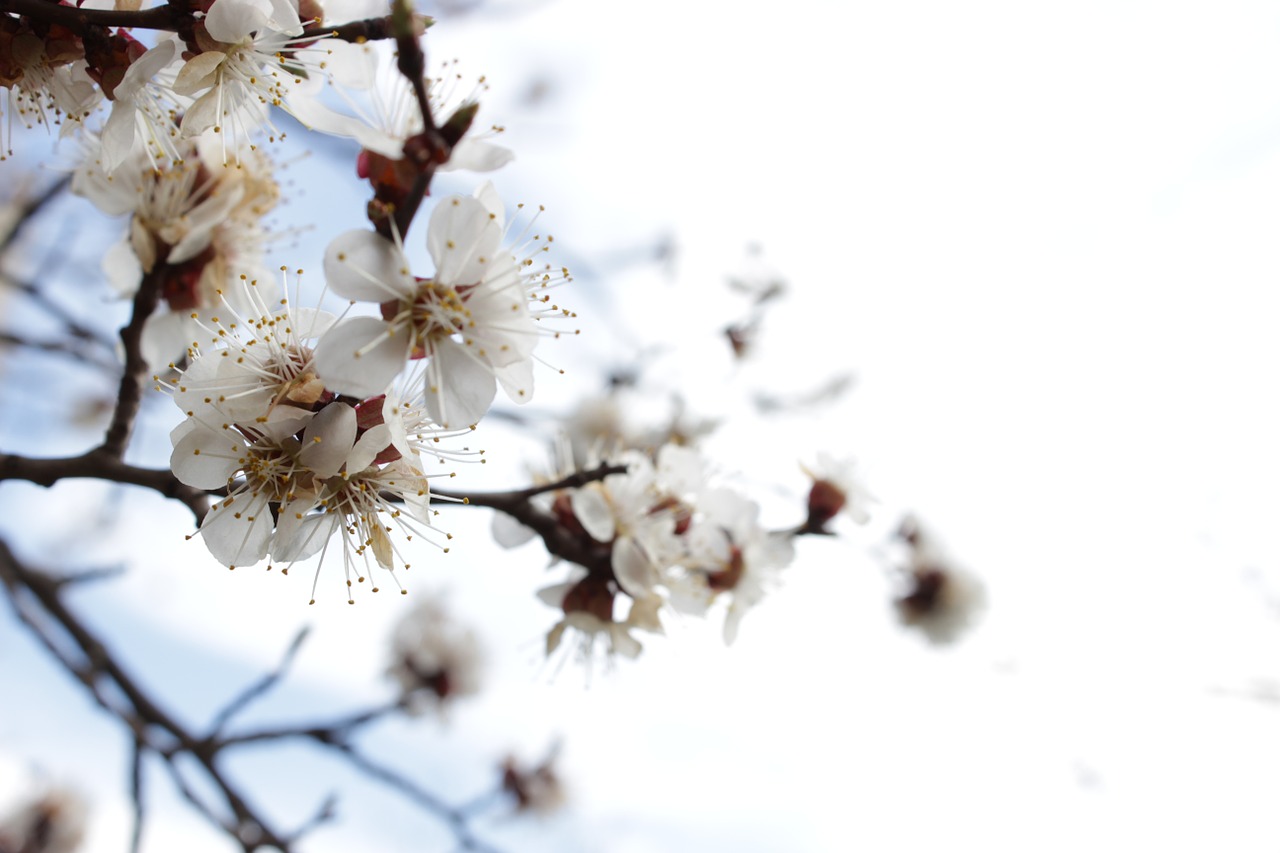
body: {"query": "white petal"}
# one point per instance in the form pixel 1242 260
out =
pixel 238 530
pixel 165 338
pixel 517 380
pixel 298 538
pixel 622 643
pixel 201 115
pixel 118 137
pixel 592 510
pixel 199 71
pixel 206 459
pixel 361 356
pixel 367 448
pixel 463 237
pixel 632 568
pixel 508 532
pixel 327 441
pixel 459 389
pixel 367 267
pixel 311 323
pixel 141 70
pixel 731 620
pixel 353 66
pixel 475 155
pixel 124 273
pixel 229 21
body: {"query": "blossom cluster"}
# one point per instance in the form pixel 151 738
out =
pixel 314 427
pixel 318 426
pixel 311 426
pixel 663 536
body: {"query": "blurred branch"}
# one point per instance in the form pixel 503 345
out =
pixel 145 714
pixel 72 348
pixel 258 688
pixel 36 599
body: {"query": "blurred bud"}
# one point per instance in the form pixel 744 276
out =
pixel 433 658
pixel 939 598
pixel 54 822
pixel 836 488
pixel 537 789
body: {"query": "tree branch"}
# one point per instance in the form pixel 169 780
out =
pixel 99 465
pixel 129 396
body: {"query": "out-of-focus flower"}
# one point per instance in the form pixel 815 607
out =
pixel 939 598
pixel 434 659
pixel 253 57
pixel 588 602
pixel 143 107
pixel 836 488
pixel 53 822
pixel 661 537
pixel 729 555
pixel 44 77
pixel 197 220
pixel 536 789
pixel 475 323
pixel 391 116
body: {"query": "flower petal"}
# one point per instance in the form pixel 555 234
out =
pixel 459 389
pixel 367 267
pixel 238 530
pixel 462 237
pixel 327 440
pixel 361 356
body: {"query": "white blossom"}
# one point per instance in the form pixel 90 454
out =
pixel 256 59
pixel 385 111
pixel 474 322
pixel 300 466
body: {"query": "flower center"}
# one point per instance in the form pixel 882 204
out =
pixel 436 312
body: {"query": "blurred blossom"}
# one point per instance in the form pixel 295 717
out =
pixel 939 598
pixel 434 658
pixel 536 789
pixel 53 822
pixel 836 488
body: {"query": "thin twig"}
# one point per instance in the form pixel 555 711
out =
pixel 135 790
pixel 249 829
pixel 259 687
pixel 72 348
pixel 419 795
pixel 503 500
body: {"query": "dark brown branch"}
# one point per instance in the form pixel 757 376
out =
pixel 368 29
pixel 79 20
pixel 556 538
pixel 129 395
pixel 504 500
pixel 99 465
